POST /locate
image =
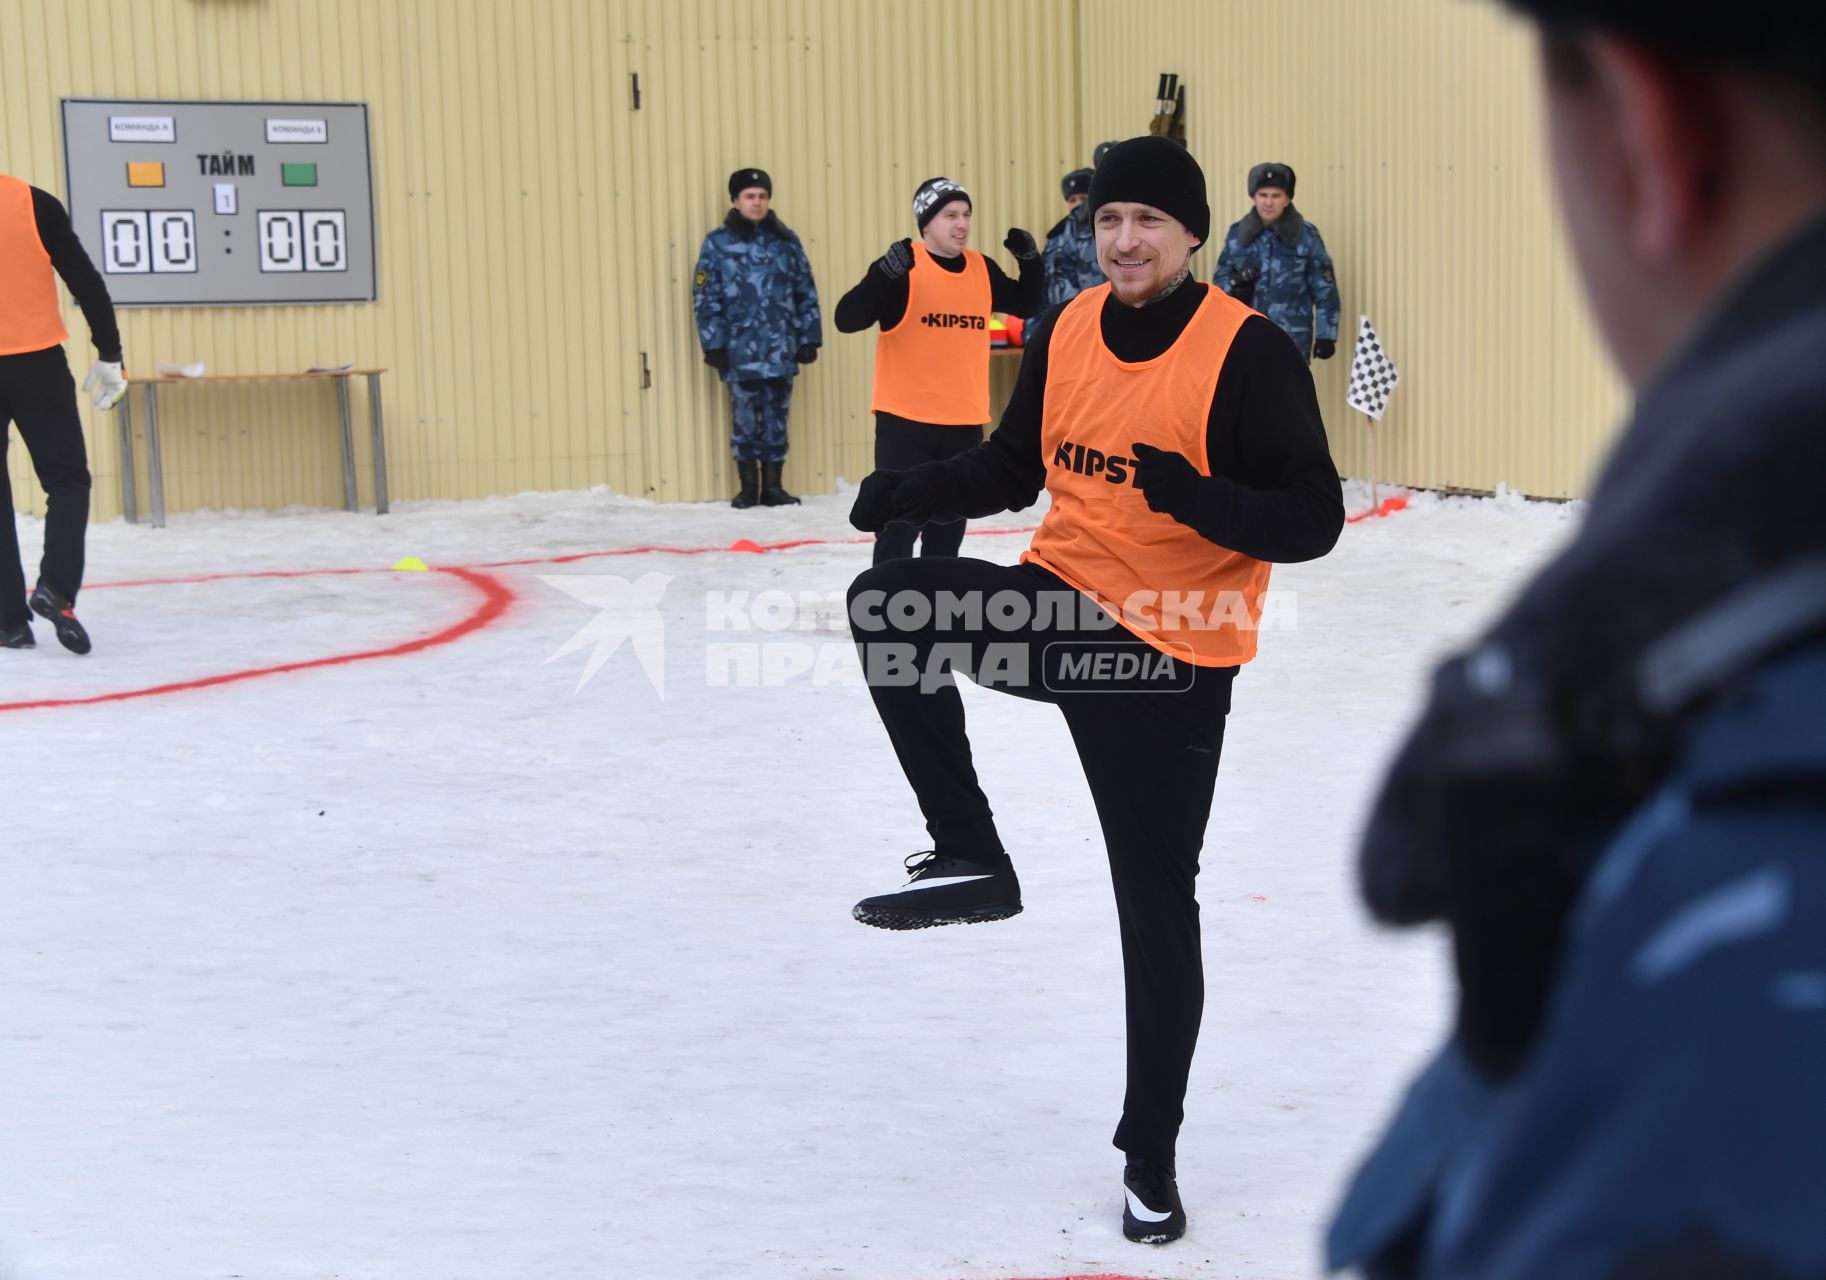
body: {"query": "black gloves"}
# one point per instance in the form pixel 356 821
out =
pixel 1020 244
pixel 1324 349
pixel 717 358
pixel 893 497
pixel 1167 480
pixel 807 353
pixel 895 262
pixel 1242 284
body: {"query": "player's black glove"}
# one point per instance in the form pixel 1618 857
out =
pixel 1242 284
pixel 1324 349
pixel 807 353
pixel 1020 244
pixel 896 261
pixel 1166 479
pixel 892 497
pixel 717 358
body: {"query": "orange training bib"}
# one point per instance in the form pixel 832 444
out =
pixel 1180 592
pixel 30 319
pixel 934 365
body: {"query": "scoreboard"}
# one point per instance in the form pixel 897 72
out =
pixel 205 204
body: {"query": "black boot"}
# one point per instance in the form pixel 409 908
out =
pixel 946 889
pixel 749 471
pixel 51 604
pixel 1153 1213
pixel 772 495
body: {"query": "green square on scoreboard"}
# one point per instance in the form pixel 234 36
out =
pixel 298 175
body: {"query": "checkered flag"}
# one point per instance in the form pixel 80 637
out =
pixel 1372 374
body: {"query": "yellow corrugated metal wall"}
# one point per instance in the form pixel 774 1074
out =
pixel 849 106
pixel 536 233
pixel 1412 127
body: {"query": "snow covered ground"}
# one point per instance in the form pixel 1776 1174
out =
pixel 440 964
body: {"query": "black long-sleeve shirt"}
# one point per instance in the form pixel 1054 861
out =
pixel 877 299
pixel 1273 491
pixel 71 261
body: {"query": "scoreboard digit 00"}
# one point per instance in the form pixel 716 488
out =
pixel 208 204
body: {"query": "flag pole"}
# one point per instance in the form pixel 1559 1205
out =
pixel 1374 501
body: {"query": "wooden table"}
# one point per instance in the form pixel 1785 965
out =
pixel 155 465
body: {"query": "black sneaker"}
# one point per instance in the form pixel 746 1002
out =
pixel 1151 1213
pixel 947 890
pixel 47 603
pixel 19 637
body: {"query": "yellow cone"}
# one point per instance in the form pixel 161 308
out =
pixel 413 563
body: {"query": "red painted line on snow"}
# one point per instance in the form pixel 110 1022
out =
pixel 228 577
pixel 1388 507
pixel 741 545
pixel 496 598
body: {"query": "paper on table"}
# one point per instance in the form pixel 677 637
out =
pixel 192 369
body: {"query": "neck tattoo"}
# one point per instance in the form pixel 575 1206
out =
pixel 1185 273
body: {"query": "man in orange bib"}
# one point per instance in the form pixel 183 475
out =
pixel 37 243
pixel 1179 438
pixel 933 301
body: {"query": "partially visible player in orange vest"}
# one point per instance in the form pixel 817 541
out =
pixel 933 301
pixel 1179 438
pixel 37 393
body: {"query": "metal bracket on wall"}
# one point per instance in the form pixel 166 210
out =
pixel 646 374
pixel 634 76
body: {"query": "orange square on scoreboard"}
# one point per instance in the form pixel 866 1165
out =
pixel 145 173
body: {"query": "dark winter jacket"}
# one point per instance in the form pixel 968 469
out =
pixel 1289 272
pixel 753 296
pixel 1618 803
pixel 1071 257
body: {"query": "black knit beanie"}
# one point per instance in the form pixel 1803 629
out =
pixel 742 179
pixel 1076 183
pixel 1156 171
pixel 1270 174
pixel 933 195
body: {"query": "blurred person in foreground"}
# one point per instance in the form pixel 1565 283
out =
pixel 1616 799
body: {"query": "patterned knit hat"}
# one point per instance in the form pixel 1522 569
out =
pixel 933 195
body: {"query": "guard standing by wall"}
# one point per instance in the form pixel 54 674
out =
pixel 757 320
pixel 37 393
pixel 1275 261
pixel 1071 246
pixel 933 301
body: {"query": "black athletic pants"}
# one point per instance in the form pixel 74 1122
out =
pixel 901 445
pixel 38 394
pixel 1149 747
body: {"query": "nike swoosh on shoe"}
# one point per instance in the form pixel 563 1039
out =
pixel 1142 1212
pixel 939 882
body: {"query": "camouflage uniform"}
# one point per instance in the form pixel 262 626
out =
pixel 754 298
pixel 1294 275
pixel 760 417
pixel 1071 257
